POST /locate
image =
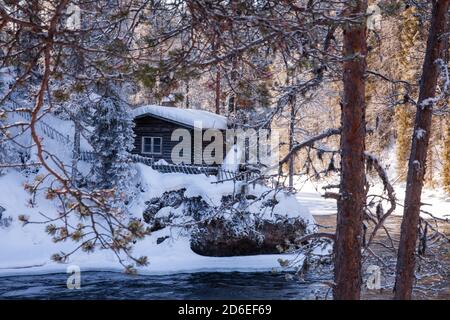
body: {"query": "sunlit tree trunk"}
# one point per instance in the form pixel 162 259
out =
pixel 446 156
pixel 347 273
pixel 291 141
pixel 419 148
pixel 217 91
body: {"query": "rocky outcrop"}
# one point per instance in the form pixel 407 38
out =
pixel 193 207
pixel 220 231
pixel 217 237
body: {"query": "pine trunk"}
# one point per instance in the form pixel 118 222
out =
pixel 446 156
pixel 291 142
pixel 217 91
pixel 419 147
pixel 347 274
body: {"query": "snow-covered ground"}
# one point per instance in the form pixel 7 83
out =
pixel 309 195
pixel 27 249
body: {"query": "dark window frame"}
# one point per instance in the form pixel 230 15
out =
pixel 152 144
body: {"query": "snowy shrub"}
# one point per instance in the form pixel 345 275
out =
pixel 5 222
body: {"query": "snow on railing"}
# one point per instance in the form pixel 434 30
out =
pixel 90 156
pixel 244 175
pixel 222 175
pixel 175 168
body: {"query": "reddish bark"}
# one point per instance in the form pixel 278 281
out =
pixel 417 161
pixel 347 274
pixel 217 91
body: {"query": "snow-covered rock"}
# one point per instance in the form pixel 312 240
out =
pixel 220 237
pixel 221 222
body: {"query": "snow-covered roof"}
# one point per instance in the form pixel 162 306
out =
pixel 187 117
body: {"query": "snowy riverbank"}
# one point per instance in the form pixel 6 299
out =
pixel 27 249
pixel 309 195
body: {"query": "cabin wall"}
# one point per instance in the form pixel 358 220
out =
pixel 154 127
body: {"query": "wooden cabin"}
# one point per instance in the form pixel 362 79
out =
pixel 155 125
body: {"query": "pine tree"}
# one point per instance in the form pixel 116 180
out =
pixel 8 154
pixel 112 140
pixel 406 260
pixel 348 241
pixel 446 157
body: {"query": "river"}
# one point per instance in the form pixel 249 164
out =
pixel 211 285
pixel 204 285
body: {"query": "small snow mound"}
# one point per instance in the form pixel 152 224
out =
pixel 161 162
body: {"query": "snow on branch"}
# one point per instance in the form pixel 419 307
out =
pixel 373 161
pixel 309 142
pixel 428 102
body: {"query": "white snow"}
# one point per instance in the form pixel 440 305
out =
pixel 232 159
pixel 27 249
pixel 7 77
pixel 189 117
pixel 161 162
pixel 420 133
pixel 156 183
pixel 309 195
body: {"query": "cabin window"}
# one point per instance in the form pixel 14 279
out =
pixel 152 145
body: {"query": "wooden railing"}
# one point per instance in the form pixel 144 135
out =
pixel 46 129
pixel 175 168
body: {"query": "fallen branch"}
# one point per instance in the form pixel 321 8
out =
pixel 390 191
pixel 331 236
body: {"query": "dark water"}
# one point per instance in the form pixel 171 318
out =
pixel 109 285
